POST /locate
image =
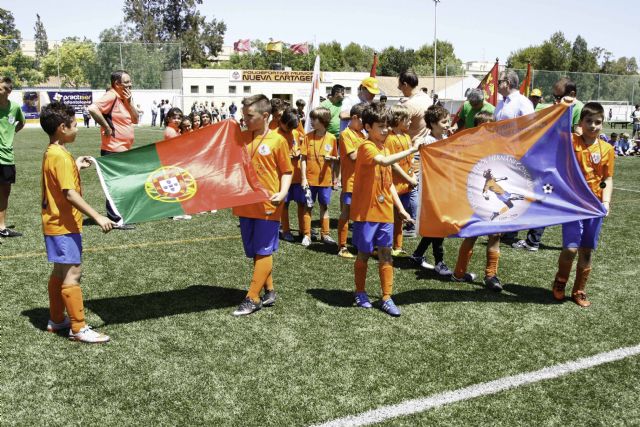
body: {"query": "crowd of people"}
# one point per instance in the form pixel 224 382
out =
pixel 357 145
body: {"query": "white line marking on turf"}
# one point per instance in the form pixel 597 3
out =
pixel 492 387
pixel 626 189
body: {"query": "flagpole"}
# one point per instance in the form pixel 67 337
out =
pixel 435 41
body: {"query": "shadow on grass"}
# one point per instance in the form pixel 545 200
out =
pixel 325 248
pixel 133 308
pixel 515 294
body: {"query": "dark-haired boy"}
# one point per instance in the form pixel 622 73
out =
pixel 62 209
pixel 374 198
pixel 11 122
pixel 260 222
pixel 596 159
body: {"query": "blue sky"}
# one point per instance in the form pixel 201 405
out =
pixel 478 30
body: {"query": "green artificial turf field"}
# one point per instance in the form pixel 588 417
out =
pixel 165 292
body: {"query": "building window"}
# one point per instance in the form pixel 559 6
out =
pixel 195 89
pixel 232 89
pixel 328 89
pixel 347 90
pixel 209 89
pixel 246 89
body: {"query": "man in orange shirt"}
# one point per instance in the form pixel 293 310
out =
pixel 374 197
pixel 319 152
pixel 116 114
pixel 350 140
pixel 260 222
pixel 62 209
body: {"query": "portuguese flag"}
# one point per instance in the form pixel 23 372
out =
pixel 200 171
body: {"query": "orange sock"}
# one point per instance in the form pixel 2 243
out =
pixel 564 269
pixel 385 270
pixel 268 284
pixel 491 268
pixel 582 275
pixel 343 231
pixel 286 227
pixel 301 218
pixel 262 267
pixel 306 225
pixel 464 256
pixel 397 232
pixel 72 297
pixel 360 268
pixel 56 304
pixel 324 228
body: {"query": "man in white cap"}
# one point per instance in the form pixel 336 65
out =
pixel 367 90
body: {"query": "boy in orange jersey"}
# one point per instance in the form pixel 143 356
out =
pixel 374 197
pixel 319 151
pixel 62 209
pixel 260 222
pixel 404 178
pixel 596 160
pixel 288 129
pixel 460 273
pixel 350 140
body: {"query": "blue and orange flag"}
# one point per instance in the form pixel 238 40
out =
pixel 506 176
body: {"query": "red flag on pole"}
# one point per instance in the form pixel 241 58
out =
pixel 525 87
pixel 374 66
pixel 242 45
pixel 489 86
pixel 299 48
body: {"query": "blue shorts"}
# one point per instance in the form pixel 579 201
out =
pixel 64 249
pixel 405 199
pixel 346 198
pixel 321 194
pixel 259 236
pixel 295 194
pixel 581 234
pixel 366 235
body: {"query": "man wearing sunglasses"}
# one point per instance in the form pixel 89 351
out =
pixel 566 88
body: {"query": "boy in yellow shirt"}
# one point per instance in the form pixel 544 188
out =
pixel 62 209
pixel 319 151
pixel 404 177
pixel 374 198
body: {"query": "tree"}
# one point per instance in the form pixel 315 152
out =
pixel 22 69
pixel 555 53
pixel 393 61
pixel 583 59
pixel 10 37
pixel 176 21
pixel 331 57
pixel 447 63
pixel 358 58
pixel 521 57
pixel 73 61
pixel 42 43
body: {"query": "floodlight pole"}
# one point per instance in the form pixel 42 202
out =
pixel 435 41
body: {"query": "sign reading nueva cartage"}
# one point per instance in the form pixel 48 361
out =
pixel 271 76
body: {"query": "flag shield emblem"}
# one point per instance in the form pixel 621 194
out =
pixel 170 184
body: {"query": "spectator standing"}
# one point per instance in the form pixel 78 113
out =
pixel 232 110
pixel 635 116
pixel 367 90
pixel 154 113
pixel 334 104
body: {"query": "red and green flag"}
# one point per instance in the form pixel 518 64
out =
pixel 200 171
pixel 525 87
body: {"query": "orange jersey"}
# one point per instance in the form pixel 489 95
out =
pixel 397 143
pixel 294 139
pixel 274 124
pixel 122 138
pixel 315 148
pixel 596 162
pixel 350 140
pixel 59 173
pixel 270 159
pixel 372 199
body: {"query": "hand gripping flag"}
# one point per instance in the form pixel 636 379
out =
pixel 200 171
pixel 506 176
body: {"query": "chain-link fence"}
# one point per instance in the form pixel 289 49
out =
pixel 75 63
pixel 591 86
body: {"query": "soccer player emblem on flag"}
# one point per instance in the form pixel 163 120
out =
pixel 506 176
pixel 200 171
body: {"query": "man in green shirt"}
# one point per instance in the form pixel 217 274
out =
pixel 11 121
pixel 334 104
pixel 566 88
pixel 473 105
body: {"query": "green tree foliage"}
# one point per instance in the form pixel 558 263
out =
pixel 392 61
pixel 176 21
pixel 73 60
pixel 22 69
pixel 357 57
pixel 9 35
pixel 42 43
pixel 583 59
pixel 331 56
